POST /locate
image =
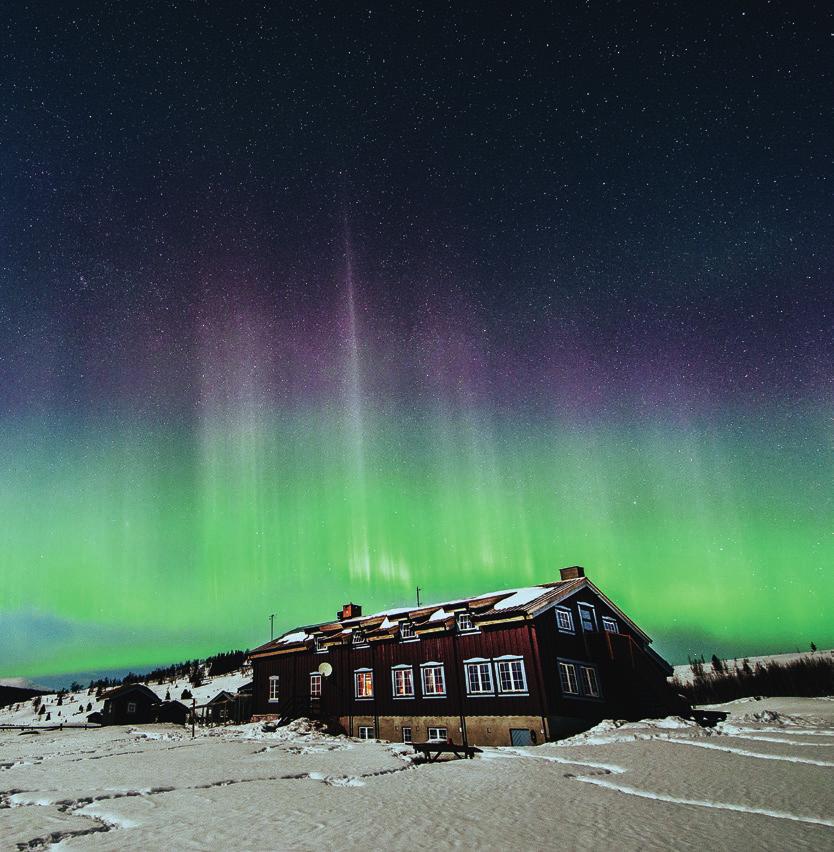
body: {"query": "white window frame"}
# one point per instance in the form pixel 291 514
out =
pixel 585 689
pixel 402 669
pixel 364 676
pixel 589 608
pixel 409 737
pixel 509 661
pixel 412 636
pixel 567 671
pixel 315 678
pixel 424 683
pixel 562 612
pixel 358 638
pixel 273 692
pixel 131 707
pixel 438 737
pixel 610 625
pixel 321 648
pixel 591 690
pixel 480 665
pixel 366 732
pixel 468 625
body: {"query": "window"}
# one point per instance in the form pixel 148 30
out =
pixel 567 677
pixel 564 620
pixel 402 681
pixel 579 679
pixel 363 681
pixel 366 732
pixel 407 631
pixel 479 678
pixel 438 734
pixel 358 637
pixel 590 686
pixel 273 688
pixel 315 685
pixel 434 684
pixel 609 625
pixel 511 676
pixel 131 707
pixel 321 648
pixel 465 624
pixel 587 618
pixel 407 734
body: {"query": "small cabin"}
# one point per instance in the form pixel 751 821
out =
pixel 130 704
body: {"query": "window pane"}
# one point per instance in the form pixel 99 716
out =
pixel 433 682
pixel 364 684
pixel 567 677
pixel 511 676
pixel 564 620
pixel 403 682
pixel 590 682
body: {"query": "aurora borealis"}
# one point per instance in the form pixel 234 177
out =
pixel 303 306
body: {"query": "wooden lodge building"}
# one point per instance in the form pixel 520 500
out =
pixel 507 668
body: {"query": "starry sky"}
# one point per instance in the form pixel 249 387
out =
pixel 307 303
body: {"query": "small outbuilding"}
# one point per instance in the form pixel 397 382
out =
pixel 130 704
pixel 172 711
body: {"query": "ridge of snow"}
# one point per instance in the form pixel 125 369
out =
pixel 520 597
pixel 298 636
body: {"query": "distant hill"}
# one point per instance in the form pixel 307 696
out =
pixel 14 694
pixel 197 680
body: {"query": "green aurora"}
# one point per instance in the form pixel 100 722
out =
pixel 161 542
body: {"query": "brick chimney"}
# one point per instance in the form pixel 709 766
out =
pixel 349 610
pixel 572 573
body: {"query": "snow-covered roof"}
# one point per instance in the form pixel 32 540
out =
pixel 520 597
pixel 298 636
pixel 524 601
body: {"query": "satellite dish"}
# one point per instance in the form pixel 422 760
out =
pixel 326 669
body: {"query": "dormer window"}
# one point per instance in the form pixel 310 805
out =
pixel 464 621
pixel 407 630
pixel 321 648
pixel 609 625
pixel 358 637
pixel 564 620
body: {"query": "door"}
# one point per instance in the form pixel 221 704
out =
pixel 521 737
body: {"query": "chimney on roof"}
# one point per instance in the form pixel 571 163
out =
pixel 572 573
pixel 349 610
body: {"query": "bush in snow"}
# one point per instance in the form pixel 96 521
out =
pixel 807 676
pixel 186 693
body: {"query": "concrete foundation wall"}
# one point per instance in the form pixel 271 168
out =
pixel 480 730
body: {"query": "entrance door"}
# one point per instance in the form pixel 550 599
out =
pixel 521 737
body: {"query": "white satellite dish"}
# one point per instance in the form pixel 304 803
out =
pixel 326 669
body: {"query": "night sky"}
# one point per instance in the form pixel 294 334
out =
pixel 307 303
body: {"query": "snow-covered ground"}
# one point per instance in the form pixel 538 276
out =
pixel 73 707
pixel 685 674
pixel 764 779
